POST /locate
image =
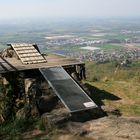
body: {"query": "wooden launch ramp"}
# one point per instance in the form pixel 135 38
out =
pixel 28 53
pixel 51 67
pixel 70 93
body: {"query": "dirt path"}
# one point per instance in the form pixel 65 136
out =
pixel 106 128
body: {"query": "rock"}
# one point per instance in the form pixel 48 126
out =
pixel 9 52
pixel 24 113
pixel 83 133
pixel 30 89
pixel 105 79
pixel 39 95
pixel 5 82
pixel 20 103
pixel 1 118
pixel 55 119
pixel 46 103
pixel 111 111
pixel 75 76
pixel 34 110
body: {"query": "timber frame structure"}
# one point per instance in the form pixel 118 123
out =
pixel 26 60
pixel 28 57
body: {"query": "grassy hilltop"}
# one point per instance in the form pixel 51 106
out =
pixel 122 82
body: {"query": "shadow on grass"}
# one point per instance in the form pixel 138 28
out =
pixel 98 95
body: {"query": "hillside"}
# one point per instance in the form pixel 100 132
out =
pixel 122 82
pixel 114 88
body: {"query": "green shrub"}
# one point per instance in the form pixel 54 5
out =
pixel 42 125
pixel 15 128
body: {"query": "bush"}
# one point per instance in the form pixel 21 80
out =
pixel 42 125
pixel 14 129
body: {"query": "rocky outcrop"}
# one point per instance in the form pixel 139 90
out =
pixel 55 119
pixel 9 52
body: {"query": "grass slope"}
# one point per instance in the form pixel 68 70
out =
pixel 122 82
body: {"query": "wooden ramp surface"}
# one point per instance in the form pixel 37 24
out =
pixel 28 54
pixel 69 92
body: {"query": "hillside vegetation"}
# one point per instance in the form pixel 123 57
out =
pixel 112 87
pixel 120 81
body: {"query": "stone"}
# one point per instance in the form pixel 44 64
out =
pixel 29 83
pixel 47 103
pixel 9 52
pixel 56 118
pixel 111 111
pixel 24 113
pixel 1 119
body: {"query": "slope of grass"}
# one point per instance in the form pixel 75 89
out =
pixel 111 71
pixel 123 82
pixel 128 92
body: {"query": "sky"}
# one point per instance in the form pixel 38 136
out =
pixel 68 8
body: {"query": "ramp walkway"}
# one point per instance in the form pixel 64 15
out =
pixel 70 93
pixel 28 53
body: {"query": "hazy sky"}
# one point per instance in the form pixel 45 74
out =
pixel 69 8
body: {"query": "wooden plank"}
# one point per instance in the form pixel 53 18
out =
pixel 18 49
pixel 28 54
pixel 31 55
pixel 21 45
pixel 31 60
pixel 27 51
pixel 52 61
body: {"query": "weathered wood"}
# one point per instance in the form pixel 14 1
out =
pixel 13 64
pixel 28 50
